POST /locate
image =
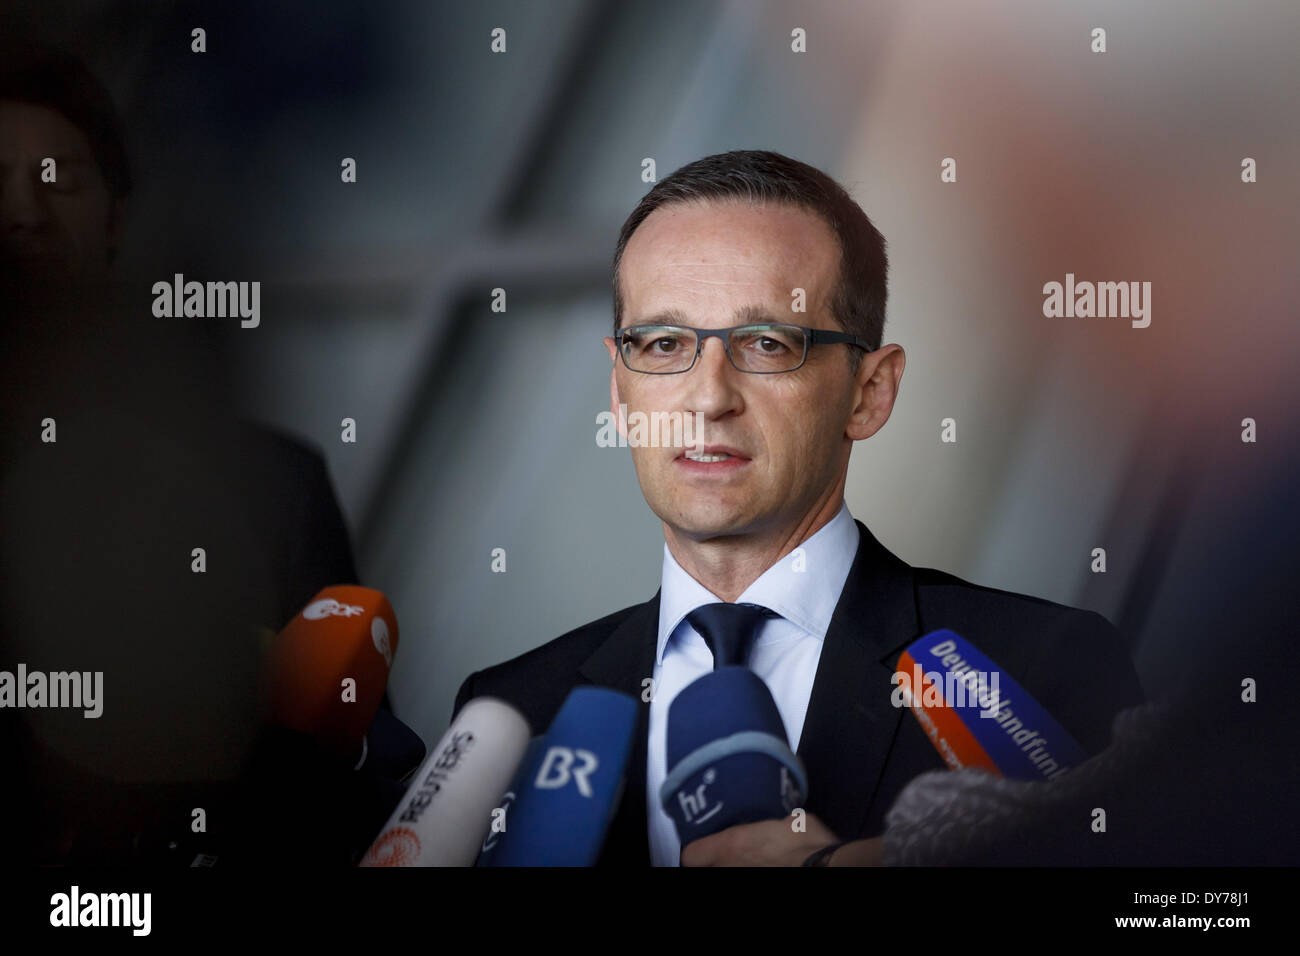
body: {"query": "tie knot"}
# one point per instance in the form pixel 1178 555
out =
pixel 729 630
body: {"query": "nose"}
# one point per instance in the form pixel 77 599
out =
pixel 713 383
pixel 713 355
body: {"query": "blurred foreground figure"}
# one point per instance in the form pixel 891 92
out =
pixel 149 537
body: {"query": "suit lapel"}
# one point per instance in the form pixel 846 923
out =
pixel 622 662
pixel 851 724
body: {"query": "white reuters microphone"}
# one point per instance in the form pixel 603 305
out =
pixel 445 814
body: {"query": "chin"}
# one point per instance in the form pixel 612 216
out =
pixel 709 523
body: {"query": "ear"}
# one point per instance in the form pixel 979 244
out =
pixel 612 348
pixel 879 377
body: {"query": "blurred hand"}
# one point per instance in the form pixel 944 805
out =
pixel 768 843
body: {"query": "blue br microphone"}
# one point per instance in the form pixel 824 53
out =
pixel 562 812
pixel 728 758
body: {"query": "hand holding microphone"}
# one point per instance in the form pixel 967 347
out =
pixel 974 714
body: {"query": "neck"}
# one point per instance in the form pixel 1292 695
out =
pixel 728 564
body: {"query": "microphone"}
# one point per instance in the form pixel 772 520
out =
pixel 527 767
pixel 562 811
pixel 728 758
pixel 442 818
pixel 976 715
pixel 328 668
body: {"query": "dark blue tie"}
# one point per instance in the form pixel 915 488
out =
pixel 729 630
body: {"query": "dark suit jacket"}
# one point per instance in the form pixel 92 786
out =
pixel 858 749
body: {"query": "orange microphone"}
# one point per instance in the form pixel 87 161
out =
pixel 328 669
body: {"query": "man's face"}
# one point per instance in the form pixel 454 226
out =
pixel 713 265
pixel 51 232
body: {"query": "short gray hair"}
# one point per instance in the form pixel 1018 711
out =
pixel 761 176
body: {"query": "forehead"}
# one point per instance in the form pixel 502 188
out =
pixel 39 131
pixel 710 256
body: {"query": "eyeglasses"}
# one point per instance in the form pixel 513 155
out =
pixel 758 349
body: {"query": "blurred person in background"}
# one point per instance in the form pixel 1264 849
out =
pixel 148 462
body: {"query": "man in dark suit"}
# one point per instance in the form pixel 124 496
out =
pixel 749 295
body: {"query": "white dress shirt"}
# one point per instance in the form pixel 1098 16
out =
pixel 785 650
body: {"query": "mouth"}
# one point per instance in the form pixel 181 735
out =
pixel 711 453
pixel 711 459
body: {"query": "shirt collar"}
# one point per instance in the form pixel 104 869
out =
pixel 807 597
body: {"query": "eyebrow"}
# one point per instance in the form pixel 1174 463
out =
pixel 745 315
